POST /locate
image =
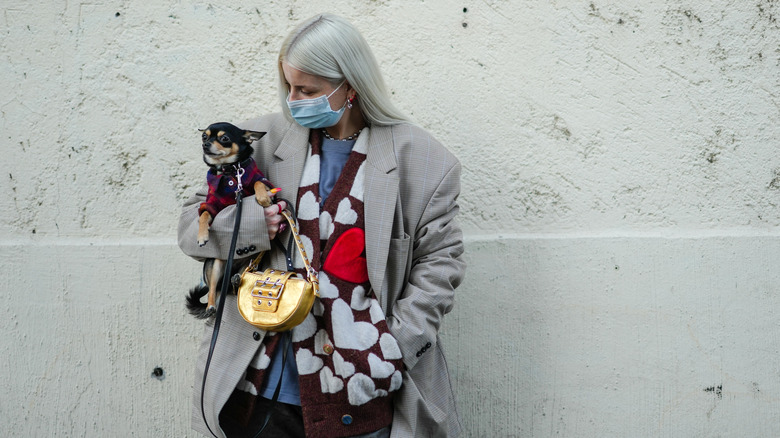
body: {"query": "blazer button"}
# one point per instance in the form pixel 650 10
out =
pixel 428 345
pixel 240 251
pixel 419 353
pixel 256 336
pixel 346 419
pixel 252 248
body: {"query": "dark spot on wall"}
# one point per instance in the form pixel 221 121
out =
pixel 465 10
pixel 560 129
pixel 117 14
pixel 717 390
pixel 766 10
pixel 774 184
pixel 691 16
pixel 465 24
pixel 620 21
pixel 711 156
pixel 158 373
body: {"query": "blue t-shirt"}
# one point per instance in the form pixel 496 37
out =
pixel 335 154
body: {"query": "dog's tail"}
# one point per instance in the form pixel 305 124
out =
pixel 195 306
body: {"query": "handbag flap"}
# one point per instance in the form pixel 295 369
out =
pixel 267 289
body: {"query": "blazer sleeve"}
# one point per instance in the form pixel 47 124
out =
pixel 252 237
pixel 437 270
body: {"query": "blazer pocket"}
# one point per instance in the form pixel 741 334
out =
pixel 398 263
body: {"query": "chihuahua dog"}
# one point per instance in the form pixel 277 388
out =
pixel 228 152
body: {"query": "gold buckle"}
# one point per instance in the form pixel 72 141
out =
pixel 267 291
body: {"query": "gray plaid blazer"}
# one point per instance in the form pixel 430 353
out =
pixel 414 251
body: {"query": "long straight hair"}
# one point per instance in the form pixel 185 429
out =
pixel 330 47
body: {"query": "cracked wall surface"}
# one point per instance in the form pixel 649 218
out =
pixel 594 136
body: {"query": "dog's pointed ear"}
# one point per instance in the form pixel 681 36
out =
pixel 251 136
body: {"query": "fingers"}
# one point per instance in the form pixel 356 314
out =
pixel 273 218
pixel 275 209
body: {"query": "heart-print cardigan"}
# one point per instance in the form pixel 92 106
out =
pixel 414 254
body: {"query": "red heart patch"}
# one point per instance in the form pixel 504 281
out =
pixel 345 259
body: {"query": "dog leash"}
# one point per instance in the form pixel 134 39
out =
pixel 226 280
pixel 223 294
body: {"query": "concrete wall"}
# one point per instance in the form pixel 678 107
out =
pixel 621 184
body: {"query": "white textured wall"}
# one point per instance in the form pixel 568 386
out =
pixel 621 184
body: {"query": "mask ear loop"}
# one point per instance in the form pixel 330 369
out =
pixel 337 88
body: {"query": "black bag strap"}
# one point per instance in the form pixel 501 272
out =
pixel 218 321
pixel 221 305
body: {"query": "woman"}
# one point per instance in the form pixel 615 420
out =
pixel 375 196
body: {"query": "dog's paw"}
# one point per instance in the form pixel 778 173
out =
pixel 202 242
pixel 209 312
pixel 263 199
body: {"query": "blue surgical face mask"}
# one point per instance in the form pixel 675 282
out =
pixel 315 113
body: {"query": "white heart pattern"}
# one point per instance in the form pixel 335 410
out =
pixel 307 247
pixel 345 214
pixel 359 299
pixel 379 368
pixel 326 225
pixel 308 208
pixel 327 289
pixel 396 381
pixel 320 340
pixel 347 333
pixel 357 187
pixel 342 367
pixel 376 312
pixel 390 349
pixel 307 362
pixel 317 308
pixel 311 170
pixel 361 390
pixel 304 330
pixel 261 360
pixel 246 385
pixel 330 384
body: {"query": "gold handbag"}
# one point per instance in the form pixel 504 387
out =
pixel 276 300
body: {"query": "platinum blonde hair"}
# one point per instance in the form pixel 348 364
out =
pixel 332 48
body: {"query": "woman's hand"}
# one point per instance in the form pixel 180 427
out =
pixel 274 220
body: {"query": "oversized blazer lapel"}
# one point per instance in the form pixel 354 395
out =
pixel 287 166
pixel 380 195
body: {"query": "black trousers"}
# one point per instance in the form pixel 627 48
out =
pixel 286 420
